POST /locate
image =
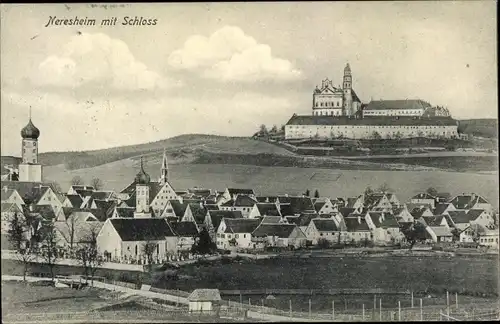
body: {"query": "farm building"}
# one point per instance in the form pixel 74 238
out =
pixel 204 300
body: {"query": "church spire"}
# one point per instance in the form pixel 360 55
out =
pixel 164 168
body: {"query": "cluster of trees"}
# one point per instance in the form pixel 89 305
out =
pixel 263 131
pixel 33 242
pixel 97 183
pixel 382 188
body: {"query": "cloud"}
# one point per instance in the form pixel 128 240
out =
pixel 230 55
pixel 98 59
pixel 69 123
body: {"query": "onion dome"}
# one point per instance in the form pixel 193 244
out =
pixel 142 177
pixel 347 68
pixel 30 131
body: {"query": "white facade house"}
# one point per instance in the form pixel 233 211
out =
pixel 204 300
pixel 235 234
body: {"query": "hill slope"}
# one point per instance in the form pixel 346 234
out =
pixel 479 127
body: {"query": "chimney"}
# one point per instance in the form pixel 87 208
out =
pixel 5 188
pixel 359 219
pixel 31 207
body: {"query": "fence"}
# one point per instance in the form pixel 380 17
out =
pixel 350 291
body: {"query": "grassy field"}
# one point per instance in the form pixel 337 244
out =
pixel 280 180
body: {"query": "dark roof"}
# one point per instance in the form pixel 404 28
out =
pixel 8 206
pixel 217 215
pixel 293 219
pixel 45 211
pixel 199 212
pixel 270 219
pixel 344 211
pixel 297 205
pixel 239 191
pixel 125 212
pixel 142 229
pixel 212 207
pixel 200 192
pixel 353 225
pixel 325 225
pixel 35 190
pixel 268 209
pixel 205 295
pixel 440 208
pixel 355 97
pixel 279 230
pixel 467 201
pixel 434 220
pixel 318 205
pixel 5 194
pixel 417 212
pixel 305 218
pixel 75 200
pixel 376 218
pixel 84 192
pixel 101 195
pixel 184 228
pixel 473 214
pixel 98 213
pixel 154 188
pixel 244 201
pixel 389 221
pixel 397 104
pixel 459 217
pixel 384 120
pixel 179 209
pixel 241 225
pixel 106 206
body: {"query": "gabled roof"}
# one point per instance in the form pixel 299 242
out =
pixel 217 215
pixel 75 200
pixel 212 207
pixel 142 229
pixel 178 207
pixel 417 212
pixel 26 189
pixel 305 218
pixel 344 211
pixel 293 220
pixel 154 188
pixel 423 195
pixel 185 229
pixel 200 192
pixel 318 205
pixel 241 225
pixel 199 212
pixel 106 206
pixel 240 191
pixel 84 192
pixel 101 195
pixel 270 220
pixel 297 205
pixel 411 206
pixel 467 201
pixel 353 225
pixel 473 214
pixel 459 217
pixel 325 225
pixel 45 211
pixel 244 201
pixel 441 230
pixel 81 217
pixel 125 212
pixel 267 199
pixel 268 209
pixel 205 295
pixel 373 199
pixel 279 230
pixel 5 194
pixel 440 208
pixel 82 187
pixel 389 221
pixel 10 207
pixel 376 218
pixel 397 104
pixel 98 213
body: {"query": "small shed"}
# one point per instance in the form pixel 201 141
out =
pixel 204 300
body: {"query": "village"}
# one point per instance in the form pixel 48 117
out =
pixel 151 222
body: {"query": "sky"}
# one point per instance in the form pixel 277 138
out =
pixel 226 68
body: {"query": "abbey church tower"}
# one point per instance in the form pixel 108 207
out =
pixel 29 168
pixel 347 88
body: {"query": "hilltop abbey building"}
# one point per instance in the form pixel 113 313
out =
pixel 337 112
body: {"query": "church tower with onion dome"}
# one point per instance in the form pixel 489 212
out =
pixel 29 168
pixel 142 186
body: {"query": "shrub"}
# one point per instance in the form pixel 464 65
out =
pixel 323 243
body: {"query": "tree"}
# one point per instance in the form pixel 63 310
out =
pixel 49 247
pixel 263 130
pixel 398 136
pixel 316 193
pixel 203 243
pixel 18 236
pixel 274 129
pixel 76 181
pixel 282 128
pixel 384 188
pixel 307 193
pixel 368 191
pixel 71 224
pixel 88 253
pixel 376 136
pixel 97 183
pixel 415 233
pixel 432 191
pixel 148 249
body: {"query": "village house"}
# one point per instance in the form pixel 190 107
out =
pixel 278 235
pixel 469 235
pixel 195 212
pixel 440 234
pixel 423 198
pixel 204 300
pixel 488 236
pixel 384 227
pixel 264 209
pixel 267 199
pixel 421 211
pixel 325 206
pixel 231 193
pixel 357 231
pixel 186 232
pixel 294 206
pixel 72 201
pixel 377 201
pixel 356 203
pixel 322 229
pixel 393 199
pixel 9 210
pixel 443 208
pixel 402 214
pixel 242 203
pixel 471 201
pixel 462 219
pixel 73 190
pixel 174 208
pixel 214 218
pixel 125 239
pixel 123 212
pixel 11 196
pixel 236 234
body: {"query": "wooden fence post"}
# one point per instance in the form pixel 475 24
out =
pixel 309 307
pixel 421 311
pixel 333 310
pixel 399 311
pixel 290 302
pixel 380 309
pixel 447 304
pixel 412 299
pixel 456 300
pixel 363 312
pixel 249 302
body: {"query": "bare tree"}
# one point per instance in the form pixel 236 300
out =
pixel 56 187
pixel 368 191
pixel 263 130
pixel 77 181
pixel 376 136
pixel 71 223
pixel 97 183
pixel 88 253
pixel 432 191
pixel 384 188
pixel 49 247
pixel 18 235
pixel 274 129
